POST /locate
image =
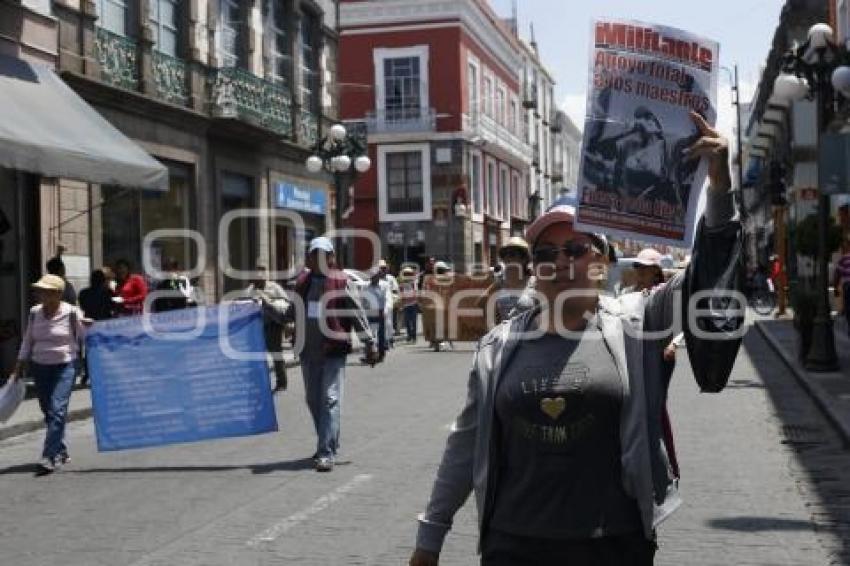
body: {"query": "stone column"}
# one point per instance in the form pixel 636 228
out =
pixel 196 52
pixel 147 81
pixel 297 76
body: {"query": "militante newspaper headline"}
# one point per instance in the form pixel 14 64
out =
pixel 635 180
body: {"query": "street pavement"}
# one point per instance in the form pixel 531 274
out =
pixel 764 480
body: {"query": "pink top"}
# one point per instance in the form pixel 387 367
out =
pixel 52 341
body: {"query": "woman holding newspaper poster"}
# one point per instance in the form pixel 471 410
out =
pixel 560 439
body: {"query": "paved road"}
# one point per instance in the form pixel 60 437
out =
pixel 758 465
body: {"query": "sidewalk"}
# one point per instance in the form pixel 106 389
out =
pixel 830 391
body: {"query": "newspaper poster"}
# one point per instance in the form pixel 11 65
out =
pixel 644 80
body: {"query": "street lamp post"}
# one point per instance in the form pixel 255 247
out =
pixel 343 155
pixel 813 70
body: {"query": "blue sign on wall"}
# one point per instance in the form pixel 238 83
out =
pixel 305 199
pixel 149 390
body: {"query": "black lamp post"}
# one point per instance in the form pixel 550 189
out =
pixel 343 155
pixel 814 70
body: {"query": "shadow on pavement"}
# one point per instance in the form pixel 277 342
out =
pixel 818 450
pixel 259 469
pixel 759 524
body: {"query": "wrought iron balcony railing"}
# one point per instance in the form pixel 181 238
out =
pixel 529 95
pixel 402 120
pixel 170 77
pixel 119 59
pixel 309 128
pixel 236 93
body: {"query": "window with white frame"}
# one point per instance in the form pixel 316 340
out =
pixel 228 33
pixel 401 88
pixel 504 203
pixel 309 60
pixel 165 24
pixel 516 207
pixel 475 185
pixel 277 54
pixel 512 115
pixel 113 16
pixel 487 96
pixel 472 79
pixel 500 106
pixel 491 201
pixel 401 82
pixel 404 182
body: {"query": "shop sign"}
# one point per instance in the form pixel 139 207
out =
pixel 298 197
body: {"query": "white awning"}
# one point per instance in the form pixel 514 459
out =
pixel 46 128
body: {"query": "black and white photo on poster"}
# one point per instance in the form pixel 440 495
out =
pixel 636 180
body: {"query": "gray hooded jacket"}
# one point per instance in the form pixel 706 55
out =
pixel 467 464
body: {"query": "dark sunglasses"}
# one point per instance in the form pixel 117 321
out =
pixel 573 249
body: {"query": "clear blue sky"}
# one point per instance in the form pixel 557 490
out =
pixel 744 29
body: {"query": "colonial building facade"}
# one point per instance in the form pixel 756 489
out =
pixel 229 95
pixel 441 88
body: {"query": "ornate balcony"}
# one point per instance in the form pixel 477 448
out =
pixel 529 96
pixel 119 60
pixel 309 128
pixel 236 93
pixel 170 77
pixel 402 120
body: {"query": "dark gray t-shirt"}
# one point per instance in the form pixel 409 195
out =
pixel 314 339
pixel 558 417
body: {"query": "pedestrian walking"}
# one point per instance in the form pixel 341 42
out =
pixel 513 286
pixel 378 299
pixel 274 303
pixel 649 275
pixel 409 292
pixel 55 266
pixel 48 353
pixel 325 292
pixel 96 304
pixel 841 284
pixel 560 439
pixel 131 290
pixel 395 301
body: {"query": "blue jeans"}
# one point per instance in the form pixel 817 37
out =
pixel 323 386
pixel 410 314
pixel 54 384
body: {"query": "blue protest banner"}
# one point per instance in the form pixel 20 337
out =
pixel 179 376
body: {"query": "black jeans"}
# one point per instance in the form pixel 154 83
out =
pixel 503 549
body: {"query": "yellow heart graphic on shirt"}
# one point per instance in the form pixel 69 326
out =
pixel 553 407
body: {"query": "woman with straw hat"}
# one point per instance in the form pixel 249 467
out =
pixel 511 290
pixel 49 353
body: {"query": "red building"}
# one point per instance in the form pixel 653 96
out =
pixel 439 87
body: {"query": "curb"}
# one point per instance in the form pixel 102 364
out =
pixel 32 426
pixel 818 394
pixel 75 415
